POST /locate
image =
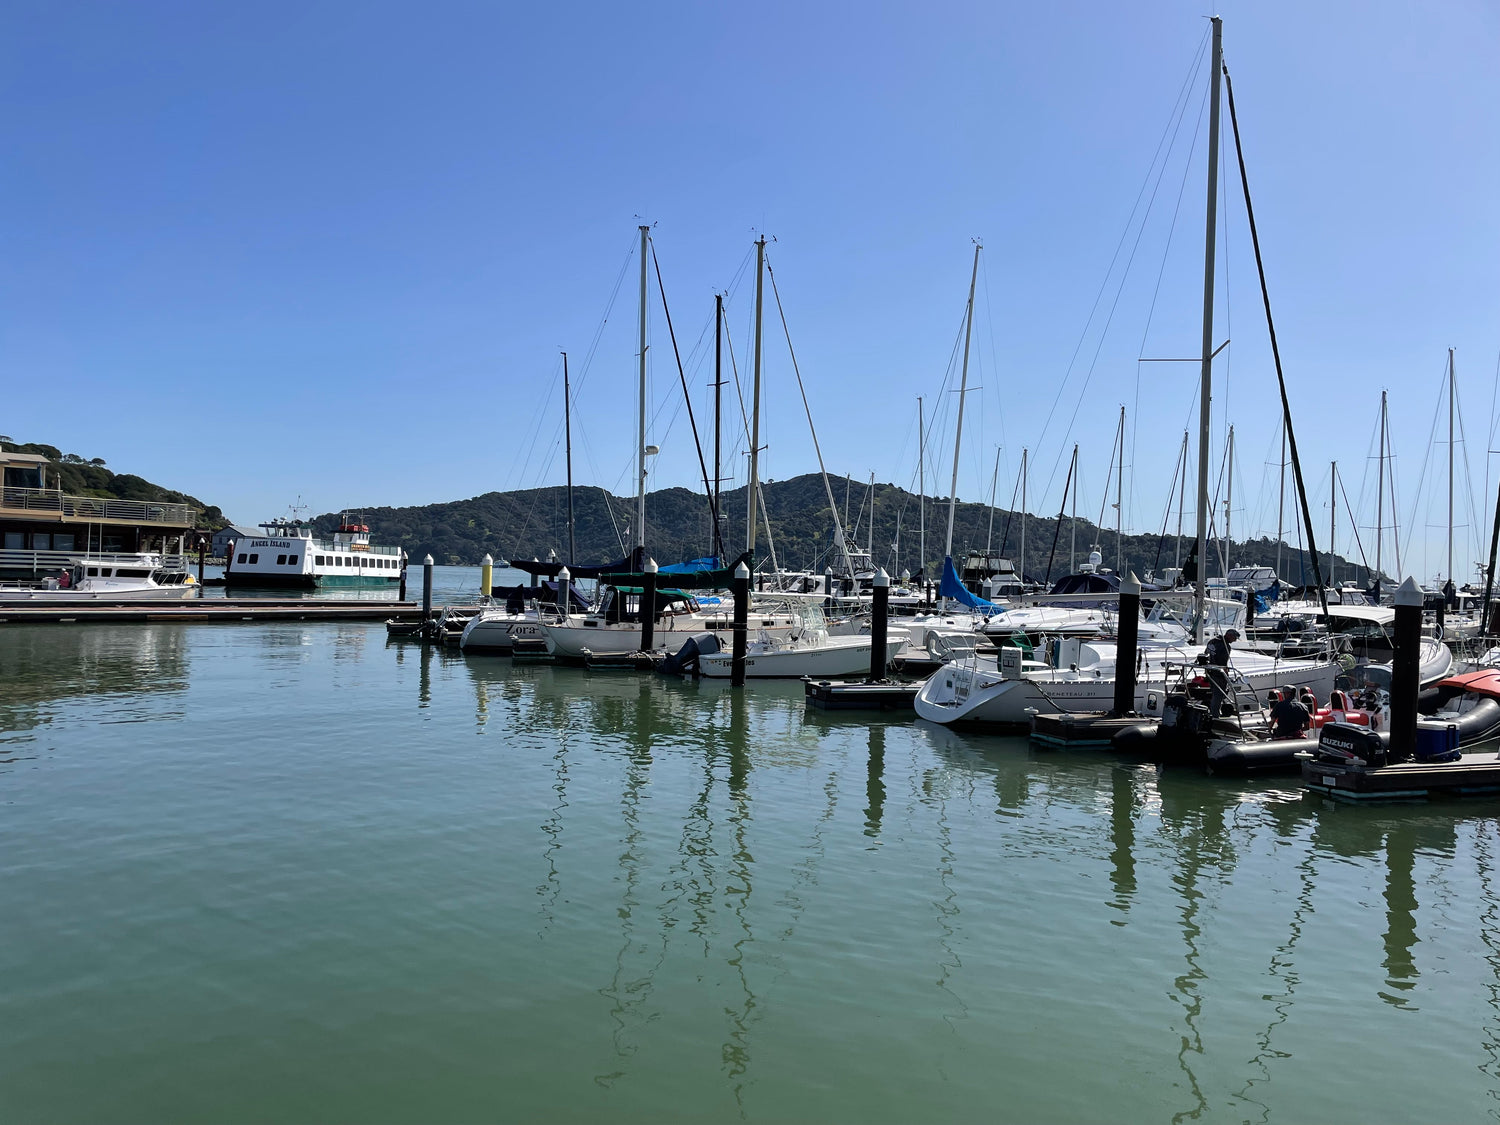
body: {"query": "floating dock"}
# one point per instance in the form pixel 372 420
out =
pixel 223 610
pixel 858 695
pixel 1080 728
pixel 1471 775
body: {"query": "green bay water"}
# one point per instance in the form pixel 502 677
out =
pixel 295 872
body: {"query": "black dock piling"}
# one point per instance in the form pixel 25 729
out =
pixel 648 605
pixel 1128 634
pixel 1406 664
pixel 741 625
pixel 879 612
pixel 202 556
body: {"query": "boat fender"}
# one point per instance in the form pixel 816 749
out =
pixel 1134 739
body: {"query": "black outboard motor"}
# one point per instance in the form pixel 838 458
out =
pixel 1345 744
pixel 686 659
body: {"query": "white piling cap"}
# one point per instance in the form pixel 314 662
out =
pixel 905 575
pixel 650 567
pixel 487 560
pixel 1408 593
pixel 565 575
pixel 427 560
pixel 742 571
pixel 828 570
pixel 1131 585
pixel 882 579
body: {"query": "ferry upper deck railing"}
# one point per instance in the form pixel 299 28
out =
pixel 42 500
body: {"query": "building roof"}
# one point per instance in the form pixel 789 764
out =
pixel 7 458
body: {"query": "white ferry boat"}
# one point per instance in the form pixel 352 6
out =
pixel 289 555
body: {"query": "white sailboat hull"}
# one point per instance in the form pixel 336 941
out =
pixel 834 657
pixel 964 693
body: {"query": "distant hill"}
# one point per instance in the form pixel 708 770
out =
pixel 530 523
pixel 79 476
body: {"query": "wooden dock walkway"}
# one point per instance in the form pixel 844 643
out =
pixel 223 610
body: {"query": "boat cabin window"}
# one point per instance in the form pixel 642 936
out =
pixel 241 558
pixel 93 572
pixel 131 572
pixel 292 559
pixel 281 560
pixel 317 560
pixel 255 557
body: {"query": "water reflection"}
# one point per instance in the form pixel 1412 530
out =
pixel 875 783
pixel 42 665
pixel 1124 806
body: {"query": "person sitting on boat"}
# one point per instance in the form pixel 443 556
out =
pixel 1216 656
pixel 1290 716
pixel 64 580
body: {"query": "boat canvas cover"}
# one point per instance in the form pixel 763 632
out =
pixel 951 587
pixel 683 580
pixel 552 569
pixel 693 566
pixel 516 596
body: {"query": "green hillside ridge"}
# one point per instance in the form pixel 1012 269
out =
pixel 530 523
pixel 79 476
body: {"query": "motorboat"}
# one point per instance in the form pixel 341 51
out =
pixel 112 578
pixel 1081 677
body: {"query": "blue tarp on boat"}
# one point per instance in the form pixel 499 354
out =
pixel 693 566
pixel 951 587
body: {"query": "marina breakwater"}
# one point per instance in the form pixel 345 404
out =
pixel 296 872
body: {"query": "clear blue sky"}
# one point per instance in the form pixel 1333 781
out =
pixel 257 251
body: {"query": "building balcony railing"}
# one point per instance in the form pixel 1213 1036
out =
pixel 41 501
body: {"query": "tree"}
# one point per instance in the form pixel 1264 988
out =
pixel 98 461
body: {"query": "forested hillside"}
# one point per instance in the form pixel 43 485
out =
pixel 527 524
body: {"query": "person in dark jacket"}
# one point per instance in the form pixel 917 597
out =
pixel 1216 654
pixel 1290 716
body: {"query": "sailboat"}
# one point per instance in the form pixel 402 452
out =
pixel 980 691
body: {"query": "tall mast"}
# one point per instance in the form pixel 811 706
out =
pixel 1023 519
pixel 921 485
pixel 1181 500
pixel 1120 500
pixel 870 534
pixel 718 407
pixel 1333 514
pixel 989 539
pixel 1073 523
pixel 1281 501
pixel 568 445
pixel 760 263
pixel 1228 507
pixel 1380 493
pixel 963 388
pixel 1205 388
pixel 1450 464
pixel 640 445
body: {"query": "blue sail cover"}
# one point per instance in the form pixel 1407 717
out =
pixel 951 587
pixel 693 566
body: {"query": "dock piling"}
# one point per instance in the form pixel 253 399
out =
pixel 1406 664
pixel 741 625
pixel 879 612
pixel 1128 636
pixel 648 605
pixel 426 594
